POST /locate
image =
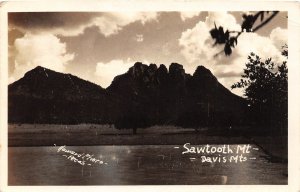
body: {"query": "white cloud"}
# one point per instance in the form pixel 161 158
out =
pixel 194 43
pixel 112 23
pixel 39 50
pixel 197 48
pixel 109 23
pixel 197 44
pixel 279 37
pixel 188 14
pixel 224 19
pixel 105 72
pixel 72 31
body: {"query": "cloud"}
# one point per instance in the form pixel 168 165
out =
pixel 105 72
pixel 224 19
pixel 50 19
pixel 279 37
pixel 265 47
pixel 58 23
pixel 196 43
pixel 112 23
pixel 193 42
pixel 39 50
pixel 73 24
pixel 197 48
pixel 188 14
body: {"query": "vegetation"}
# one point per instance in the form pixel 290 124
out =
pixel 266 90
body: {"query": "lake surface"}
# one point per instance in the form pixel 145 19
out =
pixel 136 165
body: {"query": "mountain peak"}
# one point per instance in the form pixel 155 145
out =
pixel 46 83
pixel 138 69
pixel 202 71
pixel 177 72
pixel 175 67
pixel 39 70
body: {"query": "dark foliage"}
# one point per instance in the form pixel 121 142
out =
pixel 266 91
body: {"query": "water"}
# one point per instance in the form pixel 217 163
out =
pixel 136 165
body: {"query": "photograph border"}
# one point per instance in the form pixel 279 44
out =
pixel 293 9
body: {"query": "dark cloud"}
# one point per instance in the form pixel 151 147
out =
pixel 49 20
pixel 13 35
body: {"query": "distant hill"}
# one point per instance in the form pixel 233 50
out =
pixel 46 96
pixel 143 96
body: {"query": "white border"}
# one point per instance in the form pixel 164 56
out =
pixel 293 9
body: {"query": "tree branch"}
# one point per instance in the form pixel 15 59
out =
pixel 218 53
pixel 266 21
pixel 255 29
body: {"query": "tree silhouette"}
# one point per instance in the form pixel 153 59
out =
pixel 266 90
pixel 230 38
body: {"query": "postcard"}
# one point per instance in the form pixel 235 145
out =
pixel 145 95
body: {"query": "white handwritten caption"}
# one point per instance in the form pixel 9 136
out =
pixel 80 158
pixel 219 154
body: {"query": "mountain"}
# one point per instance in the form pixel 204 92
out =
pixel 143 96
pixel 47 84
pixel 46 96
pixel 161 96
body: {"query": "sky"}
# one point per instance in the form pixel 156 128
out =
pixel 97 46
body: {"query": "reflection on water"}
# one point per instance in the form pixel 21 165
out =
pixel 132 165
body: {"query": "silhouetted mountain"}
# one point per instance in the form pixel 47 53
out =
pixel 155 96
pixel 143 96
pixel 47 84
pixel 208 98
pixel 46 96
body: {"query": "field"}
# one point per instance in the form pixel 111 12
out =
pixel 84 134
pixel 90 134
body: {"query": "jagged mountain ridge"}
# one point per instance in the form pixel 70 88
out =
pixel 175 97
pixel 143 96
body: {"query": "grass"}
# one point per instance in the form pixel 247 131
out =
pixel 91 134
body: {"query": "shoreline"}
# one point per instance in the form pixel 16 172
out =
pixel 79 139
